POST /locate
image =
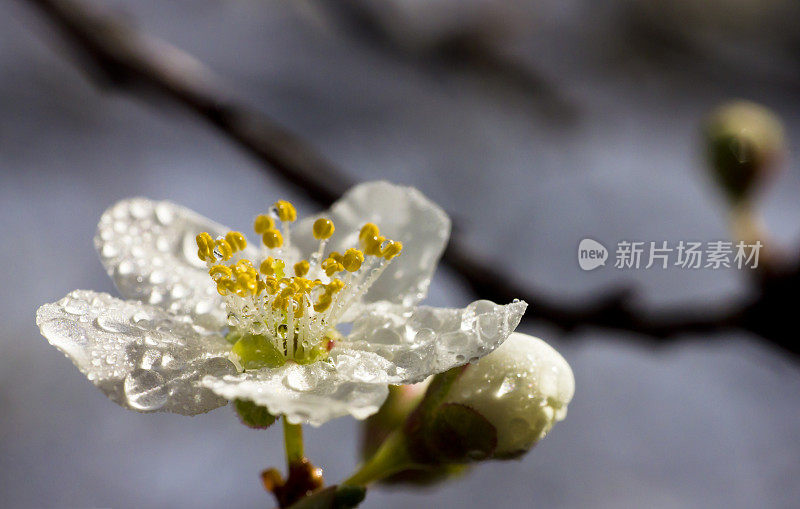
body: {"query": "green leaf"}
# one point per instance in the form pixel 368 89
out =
pixel 252 415
pixel 459 434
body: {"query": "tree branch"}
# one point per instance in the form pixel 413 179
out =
pixel 128 60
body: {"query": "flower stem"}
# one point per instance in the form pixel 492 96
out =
pixel 390 458
pixel 293 438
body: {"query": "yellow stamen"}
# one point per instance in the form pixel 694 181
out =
pixel 369 230
pixel 218 271
pixel 269 266
pixel 272 286
pixel 225 286
pixel 285 210
pixel 301 268
pixel 334 286
pixel 372 245
pixel 323 228
pixel 225 250
pixel 392 250
pixel 323 303
pixel 272 239
pixel 333 268
pixel 352 260
pixel 263 223
pixel 236 240
pixel 205 247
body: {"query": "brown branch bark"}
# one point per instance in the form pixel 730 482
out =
pixel 128 60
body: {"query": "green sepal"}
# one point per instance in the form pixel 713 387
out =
pixel 440 433
pixel 736 164
pixel 459 434
pixel 332 497
pixel 253 415
pixel 257 352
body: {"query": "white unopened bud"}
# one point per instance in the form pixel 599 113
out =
pixel 522 389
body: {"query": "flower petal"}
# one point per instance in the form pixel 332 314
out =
pixel 426 340
pixel 350 382
pixel 402 213
pixel 140 356
pixel 148 248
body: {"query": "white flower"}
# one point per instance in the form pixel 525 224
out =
pixel 187 343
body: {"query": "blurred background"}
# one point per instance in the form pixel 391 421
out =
pixel 535 123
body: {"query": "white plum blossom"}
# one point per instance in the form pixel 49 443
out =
pixel 202 327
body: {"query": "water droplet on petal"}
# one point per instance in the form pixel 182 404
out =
pixel 109 251
pixel 140 209
pixel 145 389
pixel 76 307
pixel 162 244
pixel 157 277
pixel 164 213
pixel 385 336
pixel 299 380
pixel 125 268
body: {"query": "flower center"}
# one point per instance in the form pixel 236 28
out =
pixel 274 316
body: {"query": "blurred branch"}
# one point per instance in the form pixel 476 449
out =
pixel 120 57
pixel 470 49
pixel 127 60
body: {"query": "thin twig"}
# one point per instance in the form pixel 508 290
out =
pixel 129 60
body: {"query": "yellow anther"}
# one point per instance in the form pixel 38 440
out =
pixel 272 239
pixel 392 250
pixel 334 286
pixel 323 228
pixel 268 266
pixel 263 223
pixel 301 268
pixel 236 240
pixel 205 247
pixel 368 231
pixel 323 303
pixel 225 286
pixel 218 271
pixel 246 285
pixel 333 268
pixel 352 260
pixel 224 249
pixel 245 263
pixel 372 245
pixel 271 285
pixel 204 240
pixel 244 268
pixel 279 303
pixel 285 210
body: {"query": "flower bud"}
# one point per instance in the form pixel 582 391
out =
pixel 744 142
pixel 522 389
pixel 496 408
